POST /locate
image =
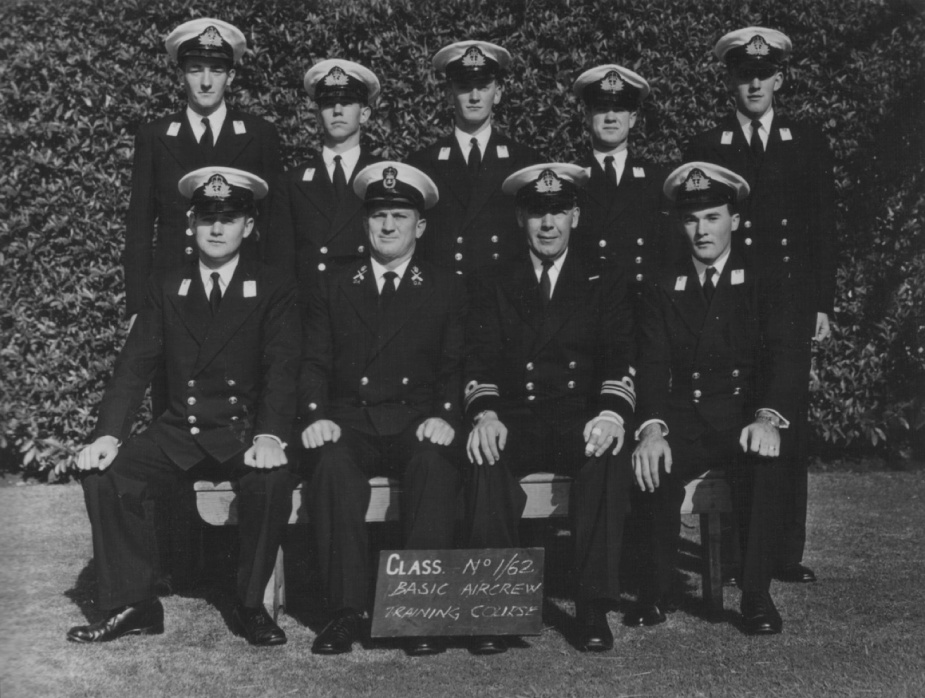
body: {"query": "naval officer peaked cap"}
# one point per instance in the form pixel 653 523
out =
pixel 336 79
pixel 548 185
pixel 396 183
pixel 753 46
pixel 206 38
pixel 466 61
pixel 703 183
pixel 222 189
pixel 611 85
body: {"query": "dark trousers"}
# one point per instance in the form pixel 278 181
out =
pixel 121 503
pixel 757 486
pixel 598 502
pixel 339 497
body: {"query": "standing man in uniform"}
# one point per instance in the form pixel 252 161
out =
pixel 549 386
pixel 789 227
pixel 622 219
pixel 317 219
pixel 228 330
pixel 381 385
pixel 717 382
pixel 206 132
pixel 471 226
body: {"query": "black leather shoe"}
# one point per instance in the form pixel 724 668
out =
pixel 339 634
pixel 145 618
pixel 645 613
pixel 796 574
pixel 488 644
pixel 257 627
pixel 593 631
pixel 759 615
pixel 425 646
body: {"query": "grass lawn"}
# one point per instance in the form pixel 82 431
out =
pixel 859 632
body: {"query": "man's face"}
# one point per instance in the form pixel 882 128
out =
pixel 754 88
pixel 341 121
pixel 393 230
pixel 473 102
pixel 709 230
pixel 205 81
pixel 548 228
pixel 609 126
pixel 219 235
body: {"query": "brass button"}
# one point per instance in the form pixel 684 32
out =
pixel 786 259
pixel 748 241
pixel 189 232
pixel 234 418
pixel 748 224
pixel 494 255
pixel 194 430
pixel 405 381
pixel 529 365
pixel 191 419
pixel 571 384
pixel 530 386
pixel 695 376
pixel 313 406
pixel 323 250
pixel 494 238
pixel 531 398
pixel 322 266
pixel 697 393
pixel 361 249
pixel 188 250
pixel 364 380
pixel 737 391
pixel 230 382
pixel 190 401
pixel 459 240
pixel 640 241
pixel 190 384
pixel 457 256
pixel 784 242
pixel 638 277
pixel 447 406
pixel 603 243
pixel 232 400
pixel 572 365
pixel 735 373
pixel 638 260
pixel 783 222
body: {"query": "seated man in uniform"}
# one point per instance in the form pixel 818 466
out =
pixel 550 388
pixel 228 330
pixel 380 388
pixel 718 378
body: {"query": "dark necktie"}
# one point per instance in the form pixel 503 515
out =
pixel 215 295
pixel 340 179
pixel 757 147
pixel 207 142
pixel 545 284
pixel 709 288
pixel 388 289
pixel 475 157
pixel 610 170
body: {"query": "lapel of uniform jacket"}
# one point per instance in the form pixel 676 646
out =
pixel 491 176
pixel 188 296
pixel 599 189
pixel 454 175
pixel 231 139
pixel 627 190
pixel 352 203
pixel 319 190
pixel 415 288
pixel 359 287
pixel 687 296
pixel 522 290
pixel 571 290
pixel 729 288
pixel 240 299
pixel 182 146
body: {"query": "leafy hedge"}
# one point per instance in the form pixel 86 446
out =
pixel 77 78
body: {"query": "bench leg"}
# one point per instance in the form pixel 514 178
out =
pixel 710 538
pixel 274 595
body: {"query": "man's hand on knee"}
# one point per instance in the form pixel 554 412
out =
pixel 317 433
pixel 265 453
pixel 652 449
pixel 99 455
pixel 436 431
pixel 761 437
pixel 602 433
pixel 487 438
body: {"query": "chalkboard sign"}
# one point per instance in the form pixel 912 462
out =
pixel 459 592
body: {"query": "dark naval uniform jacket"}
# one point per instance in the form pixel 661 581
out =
pixel 229 378
pixel 625 226
pixel 788 220
pixel 565 365
pixel 473 224
pixel 310 232
pixel 381 373
pixel 702 368
pixel 156 235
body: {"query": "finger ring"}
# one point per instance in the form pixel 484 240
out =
pixel 596 430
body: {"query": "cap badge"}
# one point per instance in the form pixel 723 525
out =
pixel 210 37
pixel 217 188
pixel 473 57
pixel 336 77
pixel 612 82
pixel 548 183
pixel 696 181
pixel 757 46
pixel 389 178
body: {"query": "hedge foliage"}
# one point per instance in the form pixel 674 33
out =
pixel 78 77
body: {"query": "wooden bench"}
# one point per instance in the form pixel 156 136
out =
pixel 547 496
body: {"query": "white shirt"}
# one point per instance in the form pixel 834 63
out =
pixel 745 122
pixel 719 265
pixel 553 270
pixel 619 160
pixel 216 121
pixel 465 140
pixel 379 272
pixel 225 272
pixel 348 160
